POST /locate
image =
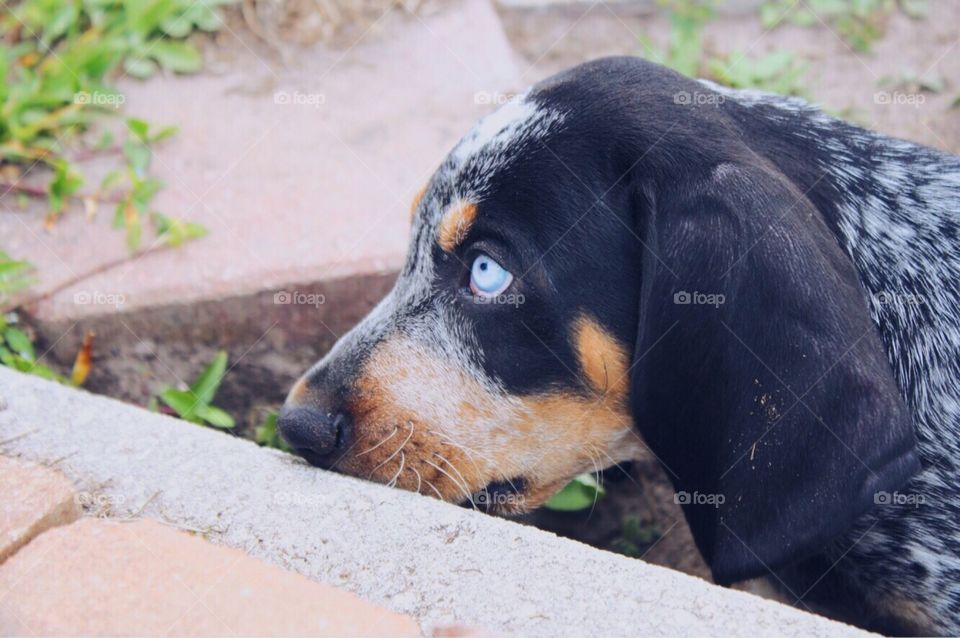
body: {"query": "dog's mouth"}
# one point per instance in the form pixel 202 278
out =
pixel 500 497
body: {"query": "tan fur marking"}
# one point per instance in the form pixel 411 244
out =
pixel 445 418
pixel 455 225
pixel 911 615
pixel 416 201
pixel 298 392
pixel 603 359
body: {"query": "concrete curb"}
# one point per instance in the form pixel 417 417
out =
pixel 415 555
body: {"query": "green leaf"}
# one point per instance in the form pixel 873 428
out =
pixel 144 191
pixel 110 180
pixel 205 387
pixel 580 493
pixel 39 370
pixel 140 128
pixel 164 133
pixel 178 56
pixel 215 416
pixel 141 68
pixel 177 26
pixel 914 9
pixel 106 139
pixel 175 232
pixel 65 183
pixel 266 434
pixel 138 156
pixel 183 402
pixel 14 275
pixel 131 221
pixel 20 343
pixel 205 18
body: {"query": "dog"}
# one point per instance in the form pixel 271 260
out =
pixel 623 261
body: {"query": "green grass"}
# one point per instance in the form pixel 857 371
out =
pixel 859 22
pixel 780 72
pixel 58 62
pixel 195 404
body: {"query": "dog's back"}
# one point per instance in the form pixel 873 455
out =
pixel 895 209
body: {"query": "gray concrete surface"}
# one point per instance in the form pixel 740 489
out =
pixel 413 554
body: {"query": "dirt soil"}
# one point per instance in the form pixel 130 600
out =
pixel 838 78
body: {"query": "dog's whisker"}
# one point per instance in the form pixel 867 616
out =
pixel 618 466
pixel 453 467
pixel 463 488
pixel 419 478
pixel 434 488
pixel 392 434
pixel 397 451
pixel 596 477
pixel 393 481
pixel 469 453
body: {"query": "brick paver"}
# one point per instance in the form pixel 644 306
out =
pixel 32 500
pixel 100 577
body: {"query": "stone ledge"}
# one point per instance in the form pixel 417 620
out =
pixel 439 563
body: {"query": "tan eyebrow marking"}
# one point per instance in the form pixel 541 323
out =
pixel 298 392
pixel 602 358
pixel 416 201
pixel 455 225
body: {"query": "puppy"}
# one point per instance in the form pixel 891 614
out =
pixel 623 261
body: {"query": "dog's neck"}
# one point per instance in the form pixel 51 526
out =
pixel 894 207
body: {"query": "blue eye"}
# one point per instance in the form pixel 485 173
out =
pixel 488 278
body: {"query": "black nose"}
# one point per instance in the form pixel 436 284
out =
pixel 318 436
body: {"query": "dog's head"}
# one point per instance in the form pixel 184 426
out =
pixel 592 264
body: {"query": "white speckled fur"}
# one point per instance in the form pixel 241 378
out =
pixel 899 222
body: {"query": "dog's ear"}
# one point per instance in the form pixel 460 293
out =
pixel 759 379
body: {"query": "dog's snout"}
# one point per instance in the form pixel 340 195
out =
pixel 319 436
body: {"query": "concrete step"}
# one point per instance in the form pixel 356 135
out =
pixel 439 563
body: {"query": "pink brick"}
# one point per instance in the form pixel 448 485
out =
pixel 98 577
pixel 32 500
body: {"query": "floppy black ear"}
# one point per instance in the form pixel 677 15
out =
pixel 759 379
